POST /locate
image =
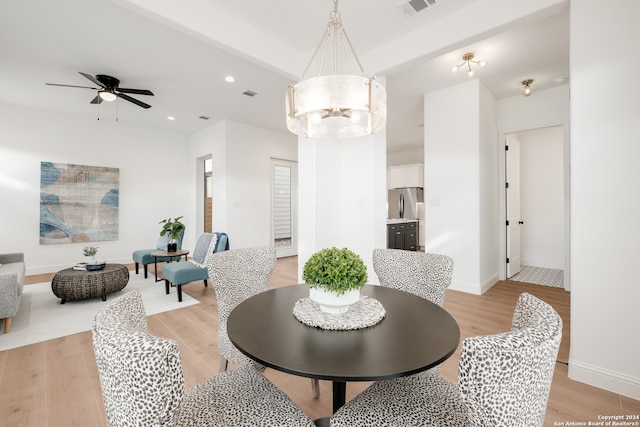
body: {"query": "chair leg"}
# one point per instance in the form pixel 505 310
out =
pixel 315 387
pixel 223 364
pixel 7 324
pixel 166 286
pixel 137 265
pixel 205 283
pixel 145 270
pixel 179 292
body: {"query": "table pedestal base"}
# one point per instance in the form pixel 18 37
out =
pixel 339 394
pixel 323 422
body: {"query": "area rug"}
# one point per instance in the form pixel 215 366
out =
pixel 41 317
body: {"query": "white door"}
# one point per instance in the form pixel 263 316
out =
pixel 512 197
pixel 284 207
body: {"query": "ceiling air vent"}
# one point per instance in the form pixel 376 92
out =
pixel 250 93
pixel 411 7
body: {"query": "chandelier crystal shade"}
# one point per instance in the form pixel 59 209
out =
pixel 336 105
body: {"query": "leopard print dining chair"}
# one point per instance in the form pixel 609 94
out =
pixel 503 380
pixel 236 275
pixel 142 380
pixel 426 275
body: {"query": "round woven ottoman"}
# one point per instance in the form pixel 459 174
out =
pixel 70 284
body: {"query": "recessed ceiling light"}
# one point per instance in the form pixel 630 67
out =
pixel 171 118
pixel 229 79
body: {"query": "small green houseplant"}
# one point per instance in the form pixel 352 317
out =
pixel 335 277
pixel 172 228
pixel 90 251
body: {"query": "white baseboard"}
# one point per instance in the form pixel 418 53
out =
pixel 474 288
pixel 605 379
pixel 469 288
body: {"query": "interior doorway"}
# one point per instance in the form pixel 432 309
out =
pixel 284 207
pixel 535 204
pixel 208 195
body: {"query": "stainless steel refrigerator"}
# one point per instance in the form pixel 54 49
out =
pixel 403 202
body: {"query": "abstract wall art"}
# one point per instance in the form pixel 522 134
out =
pixel 78 203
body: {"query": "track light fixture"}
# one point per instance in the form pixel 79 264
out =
pixel 467 59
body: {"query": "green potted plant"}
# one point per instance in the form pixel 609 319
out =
pixel 335 277
pixel 89 253
pixel 172 228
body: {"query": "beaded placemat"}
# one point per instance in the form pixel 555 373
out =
pixel 364 313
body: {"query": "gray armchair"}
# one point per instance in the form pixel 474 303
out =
pixel 12 272
pixel 143 385
pixel 503 380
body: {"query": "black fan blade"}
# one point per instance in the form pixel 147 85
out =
pixel 93 79
pixel 96 100
pixel 135 101
pixel 81 87
pixel 136 91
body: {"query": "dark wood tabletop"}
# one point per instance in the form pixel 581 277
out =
pixel 415 335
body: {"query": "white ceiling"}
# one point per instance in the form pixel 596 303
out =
pixel 182 53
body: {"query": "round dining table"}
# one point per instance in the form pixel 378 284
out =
pixel 414 335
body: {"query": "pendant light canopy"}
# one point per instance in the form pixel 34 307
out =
pixel 336 105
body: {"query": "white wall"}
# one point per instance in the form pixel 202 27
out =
pixel 542 197
pixel 242 177
pixel 153 184
pixel 405 157
pixel 545 108
pixel 605 201
pixel 461 184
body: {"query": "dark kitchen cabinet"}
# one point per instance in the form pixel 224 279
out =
pixel 403 235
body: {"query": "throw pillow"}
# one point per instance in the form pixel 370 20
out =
pixel 202 246
pixel 163 241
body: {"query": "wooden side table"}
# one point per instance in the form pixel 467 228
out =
pixel 171 255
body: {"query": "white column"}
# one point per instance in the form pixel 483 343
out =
pixel 461 183
pixel 342 196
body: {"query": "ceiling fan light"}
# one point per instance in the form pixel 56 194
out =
pixel 107 95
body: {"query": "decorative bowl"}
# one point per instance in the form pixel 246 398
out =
pixel 94 267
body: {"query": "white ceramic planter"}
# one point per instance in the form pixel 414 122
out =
pixel 330 302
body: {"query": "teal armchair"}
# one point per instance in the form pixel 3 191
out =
pixel 143 256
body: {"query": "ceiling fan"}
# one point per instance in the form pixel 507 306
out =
pixel 109 90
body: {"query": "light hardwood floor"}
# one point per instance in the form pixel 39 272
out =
pixel 55 383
